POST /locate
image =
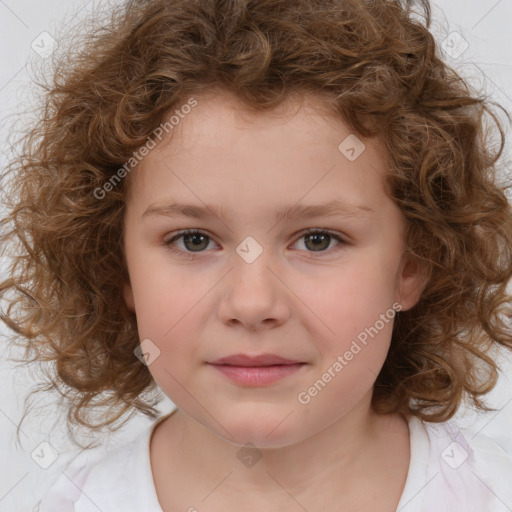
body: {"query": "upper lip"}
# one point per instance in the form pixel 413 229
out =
pixel 259 360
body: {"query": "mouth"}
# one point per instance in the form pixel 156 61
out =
pixel 261 370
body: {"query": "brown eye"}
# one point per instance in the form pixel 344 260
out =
pixel 319 241
pixel 193 241
pixel 196 242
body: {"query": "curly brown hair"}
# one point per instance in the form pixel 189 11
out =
pixel 375 65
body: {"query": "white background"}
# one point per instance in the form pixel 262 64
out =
pixel 487 62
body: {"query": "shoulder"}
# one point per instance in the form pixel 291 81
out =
pixel 120 480
pixel 459 447
pixel 460 468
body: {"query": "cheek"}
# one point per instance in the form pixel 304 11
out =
pixel 164 295
pixel 167 306
pixel 353 298
pixel 169 319
pixel 357 308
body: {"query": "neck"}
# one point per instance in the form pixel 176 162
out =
pixel 331 464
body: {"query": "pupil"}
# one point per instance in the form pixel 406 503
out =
pixel 195 237
pixel 318 239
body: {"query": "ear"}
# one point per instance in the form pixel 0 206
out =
pixel 412 279
pixel 128 297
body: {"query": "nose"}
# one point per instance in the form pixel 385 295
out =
pixel 253 295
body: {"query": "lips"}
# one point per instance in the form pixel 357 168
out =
pixel 256 371
pixel 260 360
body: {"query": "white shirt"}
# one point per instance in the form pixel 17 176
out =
pixel 450 470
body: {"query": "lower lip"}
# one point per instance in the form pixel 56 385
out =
pixel 257 375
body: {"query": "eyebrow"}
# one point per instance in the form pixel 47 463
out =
pixel 333 208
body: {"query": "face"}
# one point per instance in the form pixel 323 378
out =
pixel 264 327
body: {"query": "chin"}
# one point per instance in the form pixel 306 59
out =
pixel 263 430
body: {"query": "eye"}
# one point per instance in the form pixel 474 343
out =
pixel 196 241
pixel 319 240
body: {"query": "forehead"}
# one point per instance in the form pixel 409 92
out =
pixel 224 143
pixel 217 115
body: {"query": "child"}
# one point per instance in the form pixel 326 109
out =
pixel 170 213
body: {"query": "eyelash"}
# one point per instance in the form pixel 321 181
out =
pixel 191 254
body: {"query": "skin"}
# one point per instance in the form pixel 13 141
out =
pixel 291 301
